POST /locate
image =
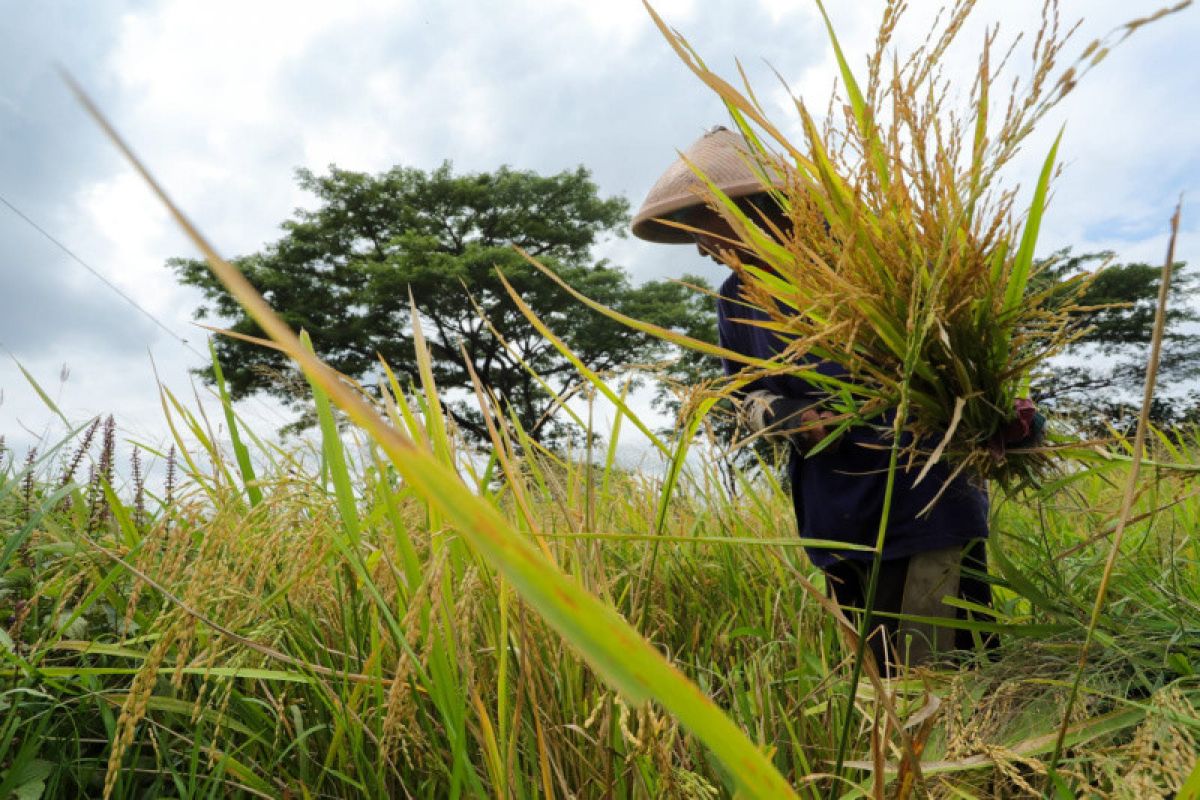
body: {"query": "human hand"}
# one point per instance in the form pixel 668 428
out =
pixel 1025 430
pixel 1028 427
pixel 812 429
pixel 794 418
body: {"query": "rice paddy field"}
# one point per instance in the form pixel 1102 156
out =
pixel 290 623
pixel 387 611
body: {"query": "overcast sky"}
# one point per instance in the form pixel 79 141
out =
pixel 225 99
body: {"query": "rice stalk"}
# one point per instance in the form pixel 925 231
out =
pixel 1139 444
pixel 865 626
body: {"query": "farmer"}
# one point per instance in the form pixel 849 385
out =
pixel 837 492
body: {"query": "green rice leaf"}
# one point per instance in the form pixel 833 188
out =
pixel 862 114
pixel 335 457
pixel 241 453
pixel 666 334
pixel 41 393
pixel 1018 279
pixel 435 419
pixel 1191 787
pixel 979 142
pixel 584 370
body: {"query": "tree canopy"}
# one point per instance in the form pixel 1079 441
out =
pixel 345 269
pixel 1100 378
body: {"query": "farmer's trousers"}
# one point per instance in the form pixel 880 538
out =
pixel 915 586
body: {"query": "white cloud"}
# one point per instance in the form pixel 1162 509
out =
pixel 130 226
pixel 179 55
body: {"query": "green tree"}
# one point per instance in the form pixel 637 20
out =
pixel 1100 378
pixel 344 271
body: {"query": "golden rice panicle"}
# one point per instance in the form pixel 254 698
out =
pixel 1163 751
pixel 133 710
pixel 398 707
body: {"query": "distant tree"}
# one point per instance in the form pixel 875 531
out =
pixel 1100 378
pixel 344 271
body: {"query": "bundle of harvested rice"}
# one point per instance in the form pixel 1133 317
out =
pixel 902 257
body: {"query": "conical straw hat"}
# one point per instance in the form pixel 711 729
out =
pixel 722 155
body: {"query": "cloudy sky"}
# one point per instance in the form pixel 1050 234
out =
pixel 225 99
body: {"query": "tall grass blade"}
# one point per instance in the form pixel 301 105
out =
pixel 240 452
pixel 335 457
pixel 594 379
pixel 1191 787
pixel 979 142
pixel 435 418
pixel 41 393
pixel 678 458
pixel 1018 279
pixel 862 113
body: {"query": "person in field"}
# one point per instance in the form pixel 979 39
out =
pixel 837 492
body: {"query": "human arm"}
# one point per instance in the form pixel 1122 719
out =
pixel 762 411
pixel 1026 429
pixel 778 406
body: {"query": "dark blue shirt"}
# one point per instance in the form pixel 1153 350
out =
pixel 838 493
